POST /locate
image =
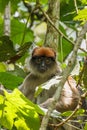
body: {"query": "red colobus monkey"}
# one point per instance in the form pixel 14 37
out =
pixel 43 66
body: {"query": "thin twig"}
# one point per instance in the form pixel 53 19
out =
pixel 22 41
pixel 75 3
pixel 67 123
pixel 27 23
pixel 61 50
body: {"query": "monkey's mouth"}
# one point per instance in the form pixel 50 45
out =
pixel 42 69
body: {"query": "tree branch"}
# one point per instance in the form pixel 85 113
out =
pixel 76 7
pixel 7 17
pixel 52 37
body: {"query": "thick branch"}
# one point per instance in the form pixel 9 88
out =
pixel 66 73
pixel 7 20
pixel 52 37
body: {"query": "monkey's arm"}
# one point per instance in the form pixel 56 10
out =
pixel 29 85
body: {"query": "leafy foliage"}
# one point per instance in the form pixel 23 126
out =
pixel 63 51
pixel 3 3
pixel 67 10
pixel 6 48
pixel 17 31
pixel 10 81
pixel 2 67
pixel 82 15
pixel 9 53
pixel 16 111
pixel 85 128
pixel 68 113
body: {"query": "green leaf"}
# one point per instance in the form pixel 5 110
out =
pixel 17 32
pixel 21 125
pixel 85 128
pixel 64 50
pixel 6 48
pixel 5 121
pixel 23 58
pixel 41 1
pixel 1 104
pixel 2 67
pixel 80 112
pixel 24 100
pixel 82 15
pixel 84 77
pixel 1 26
pixel 27 111
pixel 39 90
pixel 18 72
pixel 10 81
pixel 67 11
pixel 14 5
pixel 7 113
pixel 84 2
pixel 3 4
pixel 44 1
pixel 64 47
pixel 19 112
pixel 68 113
pixel 21 53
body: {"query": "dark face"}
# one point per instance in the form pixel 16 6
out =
pixel 42 63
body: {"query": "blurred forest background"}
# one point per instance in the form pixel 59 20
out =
pixel 23 26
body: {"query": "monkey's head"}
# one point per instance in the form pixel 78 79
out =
pixel 43 61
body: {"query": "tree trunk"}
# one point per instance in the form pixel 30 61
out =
pixel 52 37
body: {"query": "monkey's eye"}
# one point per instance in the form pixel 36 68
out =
pixel 48 60
pixel 38 60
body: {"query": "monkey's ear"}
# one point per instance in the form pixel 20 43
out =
pixel 34 50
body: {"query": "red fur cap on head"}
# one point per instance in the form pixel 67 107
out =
pixel 44 51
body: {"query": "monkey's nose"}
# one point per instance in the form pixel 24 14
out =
pixel 43 67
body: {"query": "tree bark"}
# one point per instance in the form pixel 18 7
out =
pixel 7 20
pixel 52 37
